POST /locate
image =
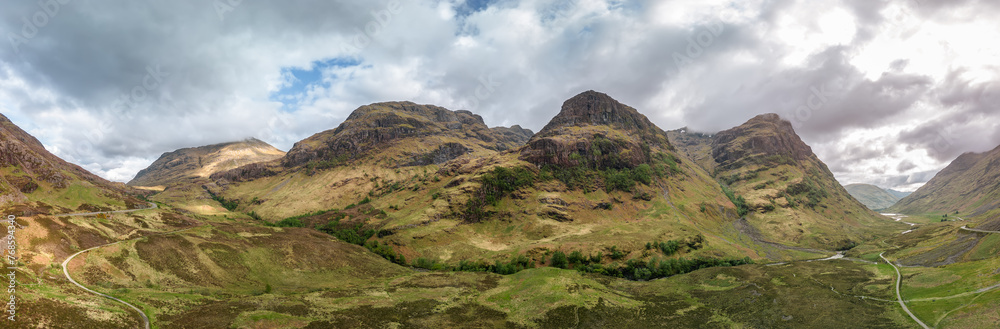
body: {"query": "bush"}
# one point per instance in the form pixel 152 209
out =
pixel 741 204
pixel 616 254
pixel 576 257
pixel 559 260
pixel 290 222
pixel 618 180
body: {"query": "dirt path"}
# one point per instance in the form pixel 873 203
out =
pixel 65 266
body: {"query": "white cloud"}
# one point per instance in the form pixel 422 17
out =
pixel 905 74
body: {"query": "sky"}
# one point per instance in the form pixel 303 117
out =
pixel 885 92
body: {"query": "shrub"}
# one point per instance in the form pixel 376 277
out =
pixel 559 260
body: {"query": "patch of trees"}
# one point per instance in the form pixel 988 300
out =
pixel 496 185
pixel 230 205
pixel 655 268
pixel 632 269
pixel 741 204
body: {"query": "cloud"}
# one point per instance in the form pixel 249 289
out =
pixel 891 75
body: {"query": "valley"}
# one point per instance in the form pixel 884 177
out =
pixel 412 215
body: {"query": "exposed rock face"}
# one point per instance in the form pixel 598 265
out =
pixel 204 161
pixel 762 136
pixel 38 170
pixel 594 128
pixel 445 153
pixel 415 131
pixel 969 185
pixel 515 134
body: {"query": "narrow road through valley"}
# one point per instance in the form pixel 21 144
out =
pixel 975 230
pixel 151 206
pixel 899 296
pixel 65 266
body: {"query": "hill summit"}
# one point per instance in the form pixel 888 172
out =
pixel 204 161
pixel 404 133
pixel 593 127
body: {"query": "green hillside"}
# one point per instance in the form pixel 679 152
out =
pixel 874 197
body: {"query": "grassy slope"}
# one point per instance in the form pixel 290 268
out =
pixel 783 217
pixel 872 196
pixel 787 296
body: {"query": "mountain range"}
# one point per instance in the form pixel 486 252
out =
pixel 409 215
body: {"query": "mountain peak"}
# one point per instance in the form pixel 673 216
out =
pixel 592 116
pixel 203 161
pixel 596 108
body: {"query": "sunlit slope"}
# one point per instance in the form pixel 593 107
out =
pixel 599 176
pixel 791 196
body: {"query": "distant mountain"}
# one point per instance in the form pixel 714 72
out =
pixel 204 161
pixel 33 181
pixel 872 196
pixel 791 196
pixel 514 134
pixel 898 194
pixel 970 185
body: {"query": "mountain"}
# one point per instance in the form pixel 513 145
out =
pixel 440 186
pixel 597 129
pixel 403 134
pixel 790 195
pixel 514 134
pixel 898 194
pixel 969 185
pixel 204 161
pixel 872 196
pixel 33 181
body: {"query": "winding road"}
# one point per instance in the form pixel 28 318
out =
pixel 975 230
pixel 65 264
pixel 151 207
pixel 899 296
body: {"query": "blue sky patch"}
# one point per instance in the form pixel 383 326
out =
pixel 304 78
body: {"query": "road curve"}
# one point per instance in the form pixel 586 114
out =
pixel 151 206
pixel 899 296
pixel 145 319
pixel 966 227
pixel 65 266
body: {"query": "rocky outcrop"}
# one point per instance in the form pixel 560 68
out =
pixel 593 128
pixel 34 170
pixel 445 153
pixel 375 129
pixel 515 134
pixel 766 135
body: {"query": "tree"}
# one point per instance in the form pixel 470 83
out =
pixel 559 260
pixel 576 257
